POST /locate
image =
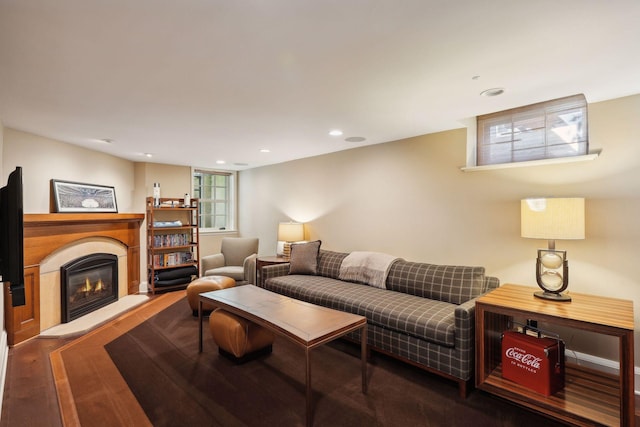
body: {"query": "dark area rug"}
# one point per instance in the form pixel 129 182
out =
pixel 176 385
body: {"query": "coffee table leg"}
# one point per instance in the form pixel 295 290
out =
pixel 308 386
pixel 363 356
pixel 200 327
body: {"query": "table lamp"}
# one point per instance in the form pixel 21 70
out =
pixel 551 219
pixel 289 232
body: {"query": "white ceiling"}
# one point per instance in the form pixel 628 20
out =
pixel 196 81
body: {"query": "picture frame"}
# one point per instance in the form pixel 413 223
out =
pixel 78 197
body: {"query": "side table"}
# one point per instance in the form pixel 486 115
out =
pixel 589 396
pixel 263 261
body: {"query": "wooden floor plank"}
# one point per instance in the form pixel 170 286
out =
pixel 62 387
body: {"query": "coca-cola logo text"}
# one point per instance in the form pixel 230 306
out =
pixel 523 359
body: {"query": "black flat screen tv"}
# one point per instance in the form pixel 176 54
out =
pixel 12 234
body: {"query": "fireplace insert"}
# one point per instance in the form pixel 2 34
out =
pixel 87 284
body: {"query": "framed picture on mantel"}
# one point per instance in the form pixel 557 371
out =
pixel 77 197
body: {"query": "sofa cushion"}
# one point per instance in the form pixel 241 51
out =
pixel 304 258
pixel 419 317
pixel 448 283
pixel 236 272
pixel 329 263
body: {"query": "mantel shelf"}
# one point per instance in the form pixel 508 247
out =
pixel 79 218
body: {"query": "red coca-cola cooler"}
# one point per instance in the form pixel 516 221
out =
pixel 534 362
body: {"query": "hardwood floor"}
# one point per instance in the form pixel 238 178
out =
pixel 30 397
pixel 29 394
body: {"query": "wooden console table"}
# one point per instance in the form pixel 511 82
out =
pixel 589 397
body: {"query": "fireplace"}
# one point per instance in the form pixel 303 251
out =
pixel 88 283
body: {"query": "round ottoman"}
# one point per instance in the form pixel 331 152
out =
pixel 237 338
pixel 206 284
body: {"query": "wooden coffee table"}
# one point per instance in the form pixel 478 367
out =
pixel 305 324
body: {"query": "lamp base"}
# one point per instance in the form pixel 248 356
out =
pixel 286 250
pixel 552 296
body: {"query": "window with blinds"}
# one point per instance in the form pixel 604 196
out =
pixel 546 130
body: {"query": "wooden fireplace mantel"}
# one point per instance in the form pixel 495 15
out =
pixel 46 233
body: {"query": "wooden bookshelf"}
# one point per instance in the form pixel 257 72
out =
pixel 172 239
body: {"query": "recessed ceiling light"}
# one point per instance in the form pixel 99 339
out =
pixel 265 150
pixel 355 139
pixel 492 92
pixel 241 164
pixel 335 132
pixel 148 154
pixel 220 162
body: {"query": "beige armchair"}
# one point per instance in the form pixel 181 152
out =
pixel 237 259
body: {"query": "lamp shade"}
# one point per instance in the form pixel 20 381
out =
pixel 552 218
pixel 290 231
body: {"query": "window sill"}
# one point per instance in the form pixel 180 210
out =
pixel 591 156
pixel 213 231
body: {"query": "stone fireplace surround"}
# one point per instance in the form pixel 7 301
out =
pixel 50 306
pixel 50 240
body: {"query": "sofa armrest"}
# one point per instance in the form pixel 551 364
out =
pixel 211 261
pixel 465 327
pixel 465 321
pixel 249 265
pixel 490 283
pixel 273 270
pixel 465 337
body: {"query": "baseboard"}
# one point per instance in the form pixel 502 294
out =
pixel 601 364
pixel 142 288
pixel 4 356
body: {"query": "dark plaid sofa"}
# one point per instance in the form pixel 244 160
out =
pixel 424 317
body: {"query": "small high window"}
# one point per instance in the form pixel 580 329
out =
pixel 216 191
pixel 546 130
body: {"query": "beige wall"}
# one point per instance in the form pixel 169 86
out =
pixel 407 198
pixel 43 159
pixel 410 198
pixel 174 181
